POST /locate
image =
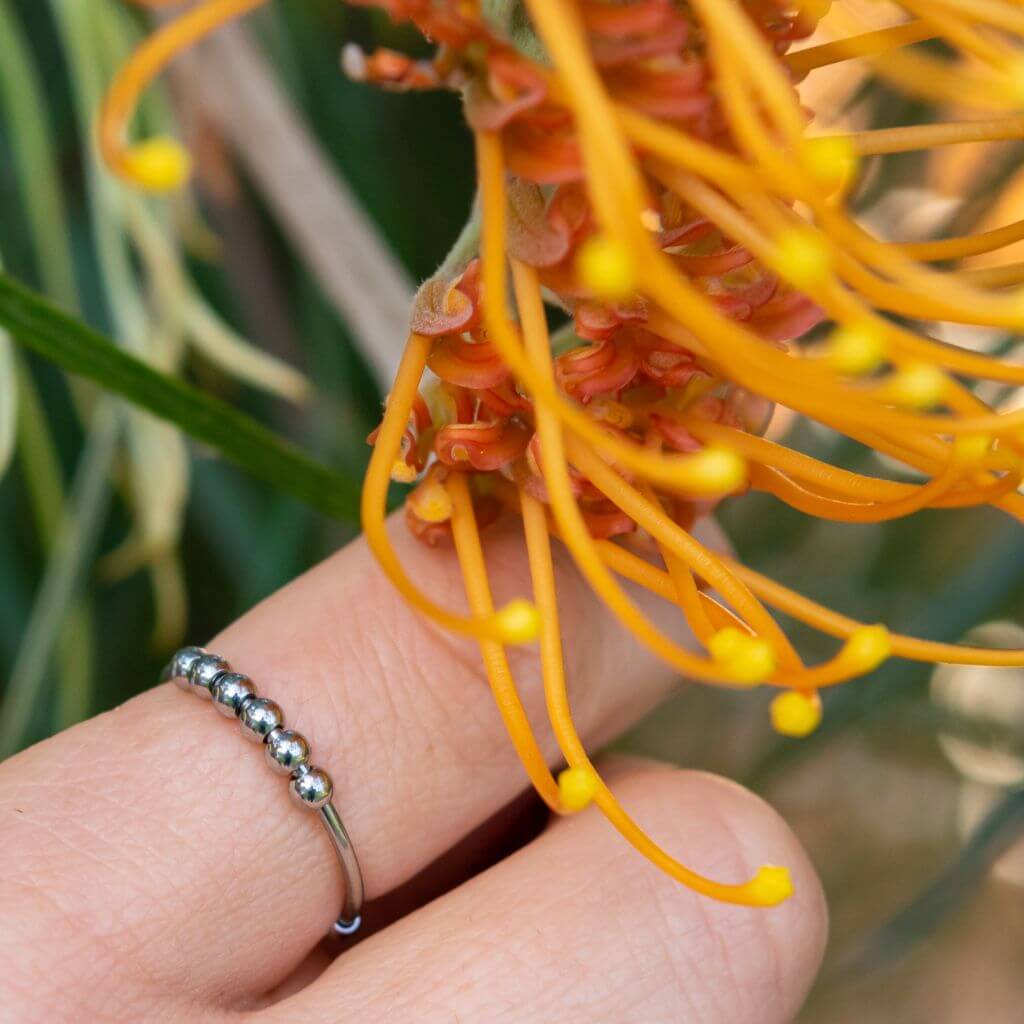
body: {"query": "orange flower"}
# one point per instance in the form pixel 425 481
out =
pixel 689 232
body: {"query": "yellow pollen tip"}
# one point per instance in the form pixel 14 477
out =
pixel 867 648
pixel 748 660
pixel 831 161
pixel 577 787
pixel 402 472
pixel 856 349
pixel 518 622
pixel 770 886
pixel 916 386
pixel 796 713
pixel 606 268
pixel 802 258
pixel 432 503
pixel 725 643
pixel 972 447
pixel 715 470
pixel 158 165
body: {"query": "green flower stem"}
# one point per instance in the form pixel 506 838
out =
pixel 466 246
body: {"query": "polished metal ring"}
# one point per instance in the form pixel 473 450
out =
pixel 209 676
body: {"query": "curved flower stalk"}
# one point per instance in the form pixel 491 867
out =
pixel 647 168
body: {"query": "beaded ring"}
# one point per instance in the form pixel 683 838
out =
pixel 210 677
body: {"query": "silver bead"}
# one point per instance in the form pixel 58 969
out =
pixel 259 717
pixel 230 692
pixel 180 665
pixel 204 672
pixel 287 751
pixel 311 788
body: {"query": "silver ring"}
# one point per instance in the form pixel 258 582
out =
pixel 209 676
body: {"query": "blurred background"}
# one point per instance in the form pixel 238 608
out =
pixel 281 282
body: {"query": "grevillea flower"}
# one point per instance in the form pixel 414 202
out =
pixel 648 168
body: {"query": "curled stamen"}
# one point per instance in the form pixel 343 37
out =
pixel 158 164
pixel 515 626
pixel 770 886
pixel 471 559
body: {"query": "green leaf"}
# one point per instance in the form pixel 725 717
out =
pixel 36 324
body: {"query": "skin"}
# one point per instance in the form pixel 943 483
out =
pixel 153 868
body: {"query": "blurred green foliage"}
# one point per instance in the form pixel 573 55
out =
pixel 408 158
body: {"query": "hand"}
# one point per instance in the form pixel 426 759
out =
pixel 152 868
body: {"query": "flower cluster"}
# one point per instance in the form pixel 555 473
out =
pixel 646 170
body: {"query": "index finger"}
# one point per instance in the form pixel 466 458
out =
pixel 158 834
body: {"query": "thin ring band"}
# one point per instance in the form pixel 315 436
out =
pixel 210 677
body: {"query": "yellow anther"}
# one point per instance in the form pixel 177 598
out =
pixel 715 470
pixel 747 659
pixel 755 665
pixel 972 447
pixel 856 349
pixel 916 386
pixel 770 886
pixel 726 642
pixel 606 268
pixel 802 258
pixel 796 713
pixel 832 161
pixel 518 622
pixel 577 787
pixel 867 647
pixel 402 472
pixel 158 165
pixel 431 503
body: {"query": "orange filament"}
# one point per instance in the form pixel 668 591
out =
pixel 499 675
pixel 769 886
pixel 506 625
pixel 802 608
pixel 868 44
pixel 681 473
pixel 688 597
pixel 157 164
pixel 685 547
pixel 566 512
